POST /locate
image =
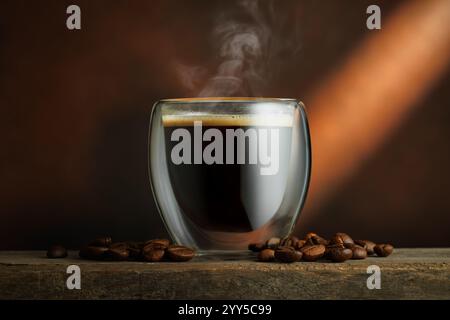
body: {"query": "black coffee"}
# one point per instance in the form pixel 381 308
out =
pixel 236 184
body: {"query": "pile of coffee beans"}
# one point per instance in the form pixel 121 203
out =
pixel 106 250
pixel 151 251
pixel 312 247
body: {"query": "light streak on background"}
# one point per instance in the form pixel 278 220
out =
pixel 364 101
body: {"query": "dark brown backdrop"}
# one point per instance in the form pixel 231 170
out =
pixel 75 107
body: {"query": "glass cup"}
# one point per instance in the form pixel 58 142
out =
pixel 226 172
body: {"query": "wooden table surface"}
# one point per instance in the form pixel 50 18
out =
pixel 406 274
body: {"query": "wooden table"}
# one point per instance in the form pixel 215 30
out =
pixel 406 274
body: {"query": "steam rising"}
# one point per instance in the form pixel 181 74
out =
pixel 251 41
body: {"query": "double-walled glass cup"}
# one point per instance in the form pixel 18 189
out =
pixel 226 172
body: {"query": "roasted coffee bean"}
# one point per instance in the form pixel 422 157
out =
pixel 134 249
pixel 119 245
pixel 308 239
pixel 266 255
pixel 180 253
pixel 335 245
pixel 300 244
pixel 56 251
pixel 290 241
pixel 152 254
pixel 358 252
pixel 118 253
pixel 341 238
pixel 340 254
pixel 313 252
pixel 309 235
pixel 352 246
pixel 256 247
pixel 150 247
pixel 273 243
pixel 383 250
pixel 366 244
pixel 330 247
pixel 101 242
pixel 155 245
pixel 319 240
pixel 287 254
pixel 164 243
pixel 93 252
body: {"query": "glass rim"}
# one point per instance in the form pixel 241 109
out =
pixel 228 99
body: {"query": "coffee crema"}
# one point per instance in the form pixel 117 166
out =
pixel 236 120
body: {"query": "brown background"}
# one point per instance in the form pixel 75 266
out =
pixel 75 107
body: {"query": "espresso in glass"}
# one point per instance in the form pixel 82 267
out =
pixel 226 172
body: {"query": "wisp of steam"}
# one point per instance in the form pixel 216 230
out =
pixel 252 40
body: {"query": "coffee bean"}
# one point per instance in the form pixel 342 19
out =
pixel 134 249
pixel 93 252
pixel 290 241
pixel 266 255
pixel 147 251
pixel 101 242
pixel 366 244
pixel 56 251
pixel 351 246
pixel 309 235
pixel 273 243
pixel 313 252
pixel 330 247
pixel 308 239
pixel 287 254
pixel 340 254
pixel 118 253
pixel 118 245
pixel 341 238
pixel 319 240
pixel 358 252
pixel 335 245
pixel 153 251
pixel 152 254
pixel 300 244
pixel 180 253
pixel 383 250
pixel 164 243
pixel 256 247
